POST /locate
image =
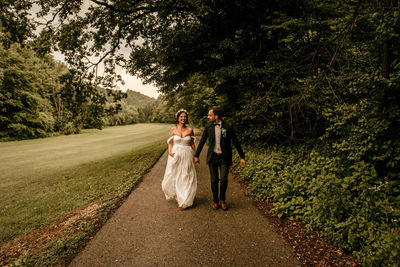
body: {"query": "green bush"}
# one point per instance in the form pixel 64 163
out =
pixel 127 115
pixel 69 128
pixel 345 203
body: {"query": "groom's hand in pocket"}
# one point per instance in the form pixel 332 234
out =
pixel 196 160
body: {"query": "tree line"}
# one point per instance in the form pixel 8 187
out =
pixel 314 84
pixel 139 108
pixel 40 96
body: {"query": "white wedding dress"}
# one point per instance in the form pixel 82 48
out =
pixel 180 177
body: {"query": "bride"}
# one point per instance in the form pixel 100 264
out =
pixel 180 179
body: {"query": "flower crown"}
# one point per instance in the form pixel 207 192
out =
pixel 181 110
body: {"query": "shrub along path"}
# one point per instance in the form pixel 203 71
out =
pixel 147 230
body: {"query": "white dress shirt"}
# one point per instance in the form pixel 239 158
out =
pixel 217 147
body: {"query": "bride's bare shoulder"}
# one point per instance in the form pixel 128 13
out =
pixel 172 131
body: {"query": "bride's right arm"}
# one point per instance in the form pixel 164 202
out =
pixel 171 142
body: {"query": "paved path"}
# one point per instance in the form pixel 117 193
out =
pixel 147 230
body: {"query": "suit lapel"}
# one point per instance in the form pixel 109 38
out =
pixel 212 135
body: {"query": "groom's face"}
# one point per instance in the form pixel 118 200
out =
pixel 211 116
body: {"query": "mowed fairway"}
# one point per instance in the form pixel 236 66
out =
pixel 42 179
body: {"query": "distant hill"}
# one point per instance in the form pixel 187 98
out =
pixel 134 99
pixel 137 99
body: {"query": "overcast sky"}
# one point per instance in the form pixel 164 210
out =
pixel 136 84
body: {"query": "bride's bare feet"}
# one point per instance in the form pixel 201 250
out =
pixel 176 198
pixel 184 206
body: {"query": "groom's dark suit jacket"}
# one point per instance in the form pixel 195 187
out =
pixel 226 142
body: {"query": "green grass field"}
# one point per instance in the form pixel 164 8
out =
pixel 43 179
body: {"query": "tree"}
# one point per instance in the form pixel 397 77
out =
pixel 15 22
pixel 280 64
pixel 25 109
pixel 85 102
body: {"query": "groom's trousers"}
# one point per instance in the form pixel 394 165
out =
pixel 219 171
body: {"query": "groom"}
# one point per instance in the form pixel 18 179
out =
pixel 220 135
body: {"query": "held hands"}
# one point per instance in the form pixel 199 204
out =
pixel 243 162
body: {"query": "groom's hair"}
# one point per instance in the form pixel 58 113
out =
pixel 217 111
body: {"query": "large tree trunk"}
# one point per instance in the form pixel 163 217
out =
pixel 386 53
pixel 59 106
pixel 386 59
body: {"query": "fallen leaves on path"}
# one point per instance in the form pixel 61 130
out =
pixel 309 247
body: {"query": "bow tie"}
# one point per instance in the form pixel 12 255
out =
pixel 217 124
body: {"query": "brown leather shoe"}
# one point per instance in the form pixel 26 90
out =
pixel 215 206
pixel 223 205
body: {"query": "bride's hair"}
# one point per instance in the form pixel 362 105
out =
pixel 179 113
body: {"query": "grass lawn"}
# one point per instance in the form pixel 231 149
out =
pixel 43 179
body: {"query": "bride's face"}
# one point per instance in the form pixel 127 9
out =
pixel 183 118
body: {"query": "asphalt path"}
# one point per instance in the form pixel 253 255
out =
pixel 148 230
